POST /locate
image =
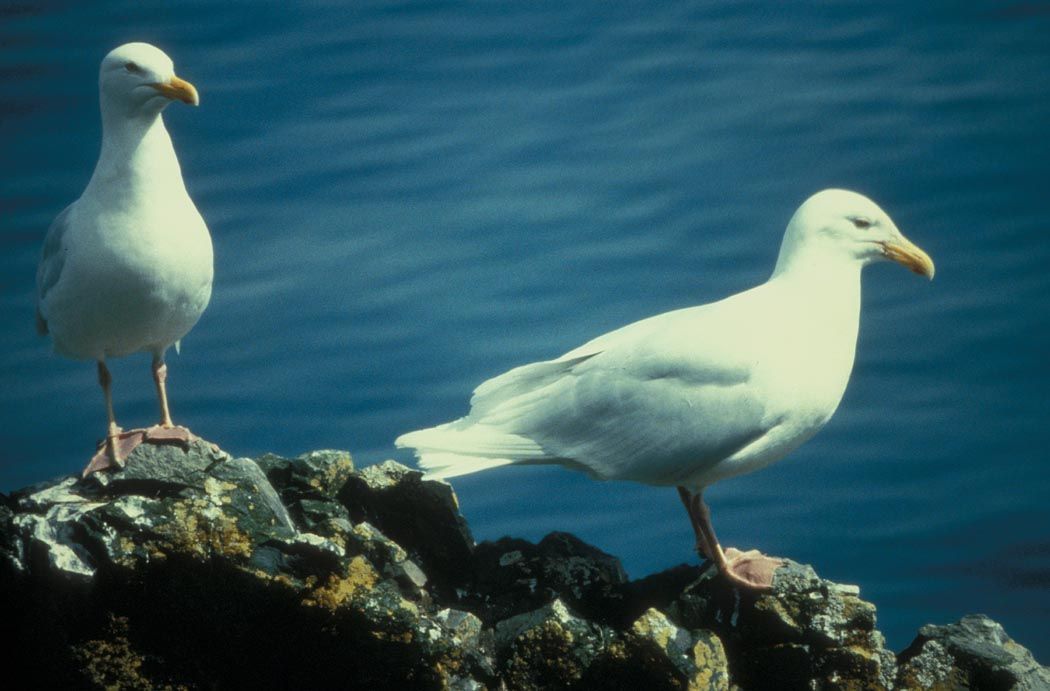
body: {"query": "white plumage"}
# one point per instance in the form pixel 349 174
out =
pixel 696 395
pixel 127 267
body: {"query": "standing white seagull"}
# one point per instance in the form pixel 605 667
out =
pixel 696 395
pixel 128 266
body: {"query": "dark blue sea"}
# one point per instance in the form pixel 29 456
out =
pixel 407 198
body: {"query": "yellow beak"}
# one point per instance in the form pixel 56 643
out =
pixel 907 253
pixel 180 89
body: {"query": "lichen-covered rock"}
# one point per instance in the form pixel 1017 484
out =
pixel 188 568
pixel 388 557
pixel 677 657
pixel 166 500
pixel 806 633
pixel 974 653
pixel 315 474
pixel 512 576
pixel 184 568
pixel 549 648
pixel 309 486
pixel 420 515
pixel 553 648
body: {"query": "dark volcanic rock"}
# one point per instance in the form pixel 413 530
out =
pixel 548 648
pixel 513 576
pixel 420 515
pixel 657 654
pixel 309 486
pixel 185 568
pixel 191 569
pixel 313 475
pixel 974 653
pixel 807 633
pixel 553 648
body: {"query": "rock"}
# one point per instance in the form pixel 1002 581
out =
pixel 806 633
pixel 512 576
pixel 313 475
pixel 189 568
pixel 974 653
pixel 420 515
pixel 656 591
pixel 153 575
pixel 663 655
pixel 388 557
pixel 552 647
pixel 166 500
pixel 309 486
pixel 549 648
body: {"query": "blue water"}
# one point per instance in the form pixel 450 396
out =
pixel 408 198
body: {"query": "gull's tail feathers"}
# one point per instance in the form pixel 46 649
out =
pixel 463 447
pixel 441 466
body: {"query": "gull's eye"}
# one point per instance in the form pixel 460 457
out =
pixel 133 68
pixel 860 222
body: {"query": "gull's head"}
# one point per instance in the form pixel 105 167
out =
pixel 139 79
pixel 849 225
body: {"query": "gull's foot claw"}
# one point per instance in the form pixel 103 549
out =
pixel 112 451
pixel 751 569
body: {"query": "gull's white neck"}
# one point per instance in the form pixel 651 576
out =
pixel 137 156
pixel 825 284
pixel 813 299
pixel 825 270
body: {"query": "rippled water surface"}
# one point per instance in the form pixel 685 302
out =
pixel 408 198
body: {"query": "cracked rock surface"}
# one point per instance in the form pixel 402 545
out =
pixel 189 568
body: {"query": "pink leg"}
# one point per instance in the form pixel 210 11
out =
pixel 703 547
pixel 750 569
pixel 120 444
pixel 166 430
pixel 160 377
pixel 105 380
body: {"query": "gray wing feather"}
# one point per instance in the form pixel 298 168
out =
pixel 52 260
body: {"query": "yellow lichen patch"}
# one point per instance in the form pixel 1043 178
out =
pixel 112 662
pixel 711 665
pixel 656 626
pixel 448 664
pixel 360 576
pixel 279 578
pixel 226 538
pixel 408 606
pixel 393 637
pixel 126 556
pixel 768 603
pixel 217 488
pixel 543 653
pixel 616 651
pixel 198 529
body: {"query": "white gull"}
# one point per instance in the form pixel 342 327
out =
pixel 127 267
pixel 696 395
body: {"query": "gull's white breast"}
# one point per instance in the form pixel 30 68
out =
pixel 137 274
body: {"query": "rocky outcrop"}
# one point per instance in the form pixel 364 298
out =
pixel 188 568
pixel 974 653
